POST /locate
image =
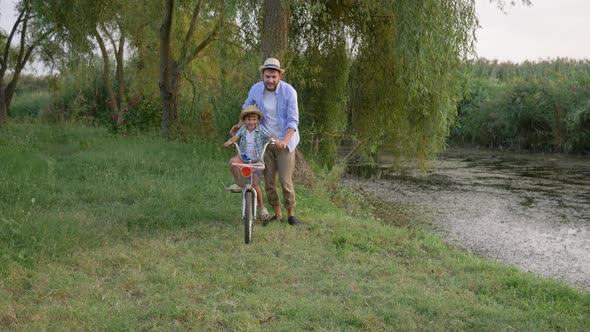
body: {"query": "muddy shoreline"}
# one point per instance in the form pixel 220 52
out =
pixel 527 210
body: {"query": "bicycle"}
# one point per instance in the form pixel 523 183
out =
pixel 249 196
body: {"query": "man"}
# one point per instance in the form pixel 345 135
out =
pixel 277 100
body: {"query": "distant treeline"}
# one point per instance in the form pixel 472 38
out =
pixel 540 106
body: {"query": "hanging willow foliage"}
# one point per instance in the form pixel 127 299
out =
pixel 402 69
pixel 405 79
pixel 319 68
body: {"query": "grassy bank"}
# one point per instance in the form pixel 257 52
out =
pixel 128 233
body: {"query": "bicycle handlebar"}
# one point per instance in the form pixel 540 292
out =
pixel 271 141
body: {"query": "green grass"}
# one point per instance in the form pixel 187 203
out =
pixel 133 233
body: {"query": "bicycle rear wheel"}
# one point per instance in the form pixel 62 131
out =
pixel 248 215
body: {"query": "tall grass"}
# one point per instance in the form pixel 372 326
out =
pixel 103 232
pixel 30 105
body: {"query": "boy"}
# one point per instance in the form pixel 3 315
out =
pixel 252 138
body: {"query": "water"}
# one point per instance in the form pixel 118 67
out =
pixel 527 210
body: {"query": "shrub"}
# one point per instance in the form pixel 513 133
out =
pixel 141 114
pixel 30 104
pixel 527 117
pixel 481 116
pixel 536 106
pixel 579 126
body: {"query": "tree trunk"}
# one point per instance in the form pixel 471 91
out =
pixel 120 77
pixel 167 108
pixel 175 85
pixel 26 46
pixel 275 29
pixel 9 90
pixel 171 68
pixel 107 76
pixel 165 60
pixel 275 33
pixel 302 173
pixel 3 113
pixel 25 55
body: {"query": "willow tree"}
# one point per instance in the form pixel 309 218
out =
pixel 112 29
pixel 388 67
pixel 405 82
pixel 275 29
pixel 403 78
pixel 109 28
pixel 69 27
pixel 28 32
pixel 320 65
pixel 205 21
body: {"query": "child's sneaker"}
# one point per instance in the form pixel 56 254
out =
pixel 234 188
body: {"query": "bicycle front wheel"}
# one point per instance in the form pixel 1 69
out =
pixel 248 215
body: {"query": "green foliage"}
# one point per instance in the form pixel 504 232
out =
pixel 223 88
pixel 528 120
pixel 579 127
pixel 405 80
pixel 322 84
pixel 29 105
pixel 479 115
pixel 31 98
pixel 402 78
pixel 103 232
pixel 140 115
pixel 364 69
pixel 77 94
pixel 528 106
pixel 30 84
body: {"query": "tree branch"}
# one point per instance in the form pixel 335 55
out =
pixel 19 20
pixel 191 29
pixel 209 38
pixel 110 37
pixel 204 43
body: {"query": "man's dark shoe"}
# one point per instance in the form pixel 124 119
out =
pixel 294 221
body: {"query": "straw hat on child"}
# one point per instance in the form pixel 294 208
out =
pixel 252 109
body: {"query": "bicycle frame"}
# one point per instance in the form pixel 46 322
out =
pixel 246 171
pixel 247 168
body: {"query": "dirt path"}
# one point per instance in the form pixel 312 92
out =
pixel 531 211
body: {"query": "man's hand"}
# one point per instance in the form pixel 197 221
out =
pixel 234 129
pixel 281 144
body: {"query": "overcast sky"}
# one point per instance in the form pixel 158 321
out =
pixel 547 29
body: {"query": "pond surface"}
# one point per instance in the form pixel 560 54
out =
pixel 527 210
